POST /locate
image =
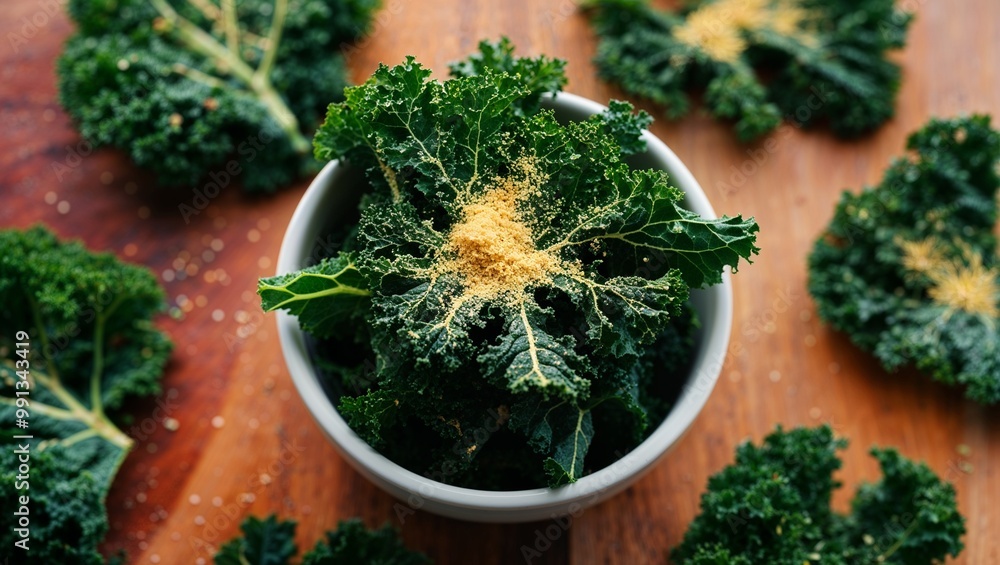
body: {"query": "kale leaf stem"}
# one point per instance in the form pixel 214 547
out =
pixel 200 41
pixel 899 543
pixel 94 418
pixel 96 404
pixel 231 27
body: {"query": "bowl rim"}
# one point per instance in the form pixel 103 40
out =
pixel 601 483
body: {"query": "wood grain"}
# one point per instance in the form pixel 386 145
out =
pixel 245 442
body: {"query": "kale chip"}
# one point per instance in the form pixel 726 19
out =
pixel 77 342
pixel 184 86
pixel 272 542
pixel 908 269
pixel 823 59
pixel 772 505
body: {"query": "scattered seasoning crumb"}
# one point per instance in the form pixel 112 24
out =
pixel 810 340
pixel 171 424
pixel 775 376
pixel 217 501
pixel 51 197
pixel 265 479
pixel 194 499
pixel 218 422
pixel 966 467
pixel 199 520
pixel 815 413
pixel 963 450
pixel 253 236
pixel 63 207
pixel 141 497
pixel 247 498
pixel 218 315
pixel 805 315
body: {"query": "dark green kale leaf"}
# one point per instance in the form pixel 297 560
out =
pixel 825 60
pixel 908 269
pixel 91 346
pixel 352 543
pixel 322 296
pixel 264 542
pixel 184 86
pixel 513 263
pixel 272 542
pixel 772 505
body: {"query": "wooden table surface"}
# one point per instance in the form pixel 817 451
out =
pixel 246 443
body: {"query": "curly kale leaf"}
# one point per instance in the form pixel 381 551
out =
pixel 185 86
pixel 264 542
pixel 352 543
pixel 512 260
pixel 272 542
pixel 542 75
pixel 908 269
pixel 322 296
pixel 824 60
pixel 91 346
pixel 772 505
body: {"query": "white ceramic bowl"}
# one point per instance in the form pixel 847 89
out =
pixel 314 216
